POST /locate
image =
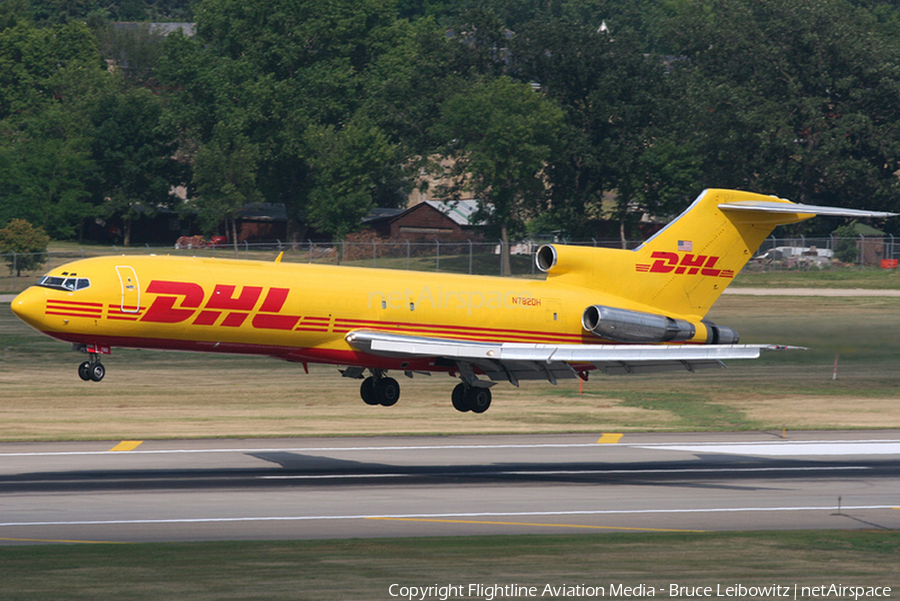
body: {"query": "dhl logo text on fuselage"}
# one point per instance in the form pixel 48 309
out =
pixel 224 300
pixel 690 264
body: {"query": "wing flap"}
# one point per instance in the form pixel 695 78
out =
pixel 612 368
pixel 517 361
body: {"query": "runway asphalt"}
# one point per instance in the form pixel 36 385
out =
pixel 189 490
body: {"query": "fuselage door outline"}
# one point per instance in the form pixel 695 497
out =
pixel 131 290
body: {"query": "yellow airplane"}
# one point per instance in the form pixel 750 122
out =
pixel 615 311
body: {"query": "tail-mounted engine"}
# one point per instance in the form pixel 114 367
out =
pixel 556 260
pixel 622 325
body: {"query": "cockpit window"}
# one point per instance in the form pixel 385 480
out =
pixel 64 283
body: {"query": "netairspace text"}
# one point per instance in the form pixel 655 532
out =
pixel 491 592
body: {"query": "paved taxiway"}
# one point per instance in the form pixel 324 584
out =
pixel 359 487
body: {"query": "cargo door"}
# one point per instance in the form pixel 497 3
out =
pixel 131 290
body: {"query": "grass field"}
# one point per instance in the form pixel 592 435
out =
pixel 366 569
pixel 843 277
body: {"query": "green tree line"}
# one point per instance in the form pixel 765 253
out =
pixel 551 112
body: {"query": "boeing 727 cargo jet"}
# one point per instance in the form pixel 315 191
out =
pixel 614 311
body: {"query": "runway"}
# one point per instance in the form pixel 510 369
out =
pixel 193 490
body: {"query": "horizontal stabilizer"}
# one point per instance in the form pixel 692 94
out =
pixel 791 207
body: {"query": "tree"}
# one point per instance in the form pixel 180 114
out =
pixel 348 168
pixel 845 244
pixel 267 72
pixel 44 169
pixel 611 92
pixel 134 156
pixel 225 177
pixel 134 50
pixel 26 246
pixel 796 98
pixel 63 11
pixel 12 12
pixel 499 136
pixel 407 84
pixel 50 79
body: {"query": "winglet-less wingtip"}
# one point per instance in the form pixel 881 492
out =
pixel 782 347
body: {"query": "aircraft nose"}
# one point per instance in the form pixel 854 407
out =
pixel 29 306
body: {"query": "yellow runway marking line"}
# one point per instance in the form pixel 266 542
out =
pixel 127 445
pixel 609 438
pixel 532 524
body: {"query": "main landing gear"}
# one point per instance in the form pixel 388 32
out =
pixel 471 398
pixel 92 369
pixel 380 390
pixel 471 394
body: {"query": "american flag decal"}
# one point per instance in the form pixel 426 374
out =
pixel 685 245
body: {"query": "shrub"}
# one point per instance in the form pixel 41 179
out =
pixel 845 249
pixel 24 245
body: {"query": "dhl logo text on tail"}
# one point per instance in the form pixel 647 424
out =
pixel 595 310
pixel 670 262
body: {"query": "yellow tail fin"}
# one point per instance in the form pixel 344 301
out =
pixel 686 265
pixel 684 268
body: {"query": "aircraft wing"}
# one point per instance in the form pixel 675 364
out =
pixel 508 361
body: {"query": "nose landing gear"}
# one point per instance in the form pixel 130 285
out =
pixel 92 370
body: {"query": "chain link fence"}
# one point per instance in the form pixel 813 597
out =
pixel 826 252
pixel 477 258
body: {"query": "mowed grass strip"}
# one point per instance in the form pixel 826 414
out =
pixel 151 395
pixel 829 277
pixel 366 569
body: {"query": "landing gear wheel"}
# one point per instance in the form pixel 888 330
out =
pixel 459 398
pixel 387 391
pixel 84 371
pixel 479 399
pixel 367 391
pixel 97 371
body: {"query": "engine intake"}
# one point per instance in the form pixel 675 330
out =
pixel 545 258
pixel 622 325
